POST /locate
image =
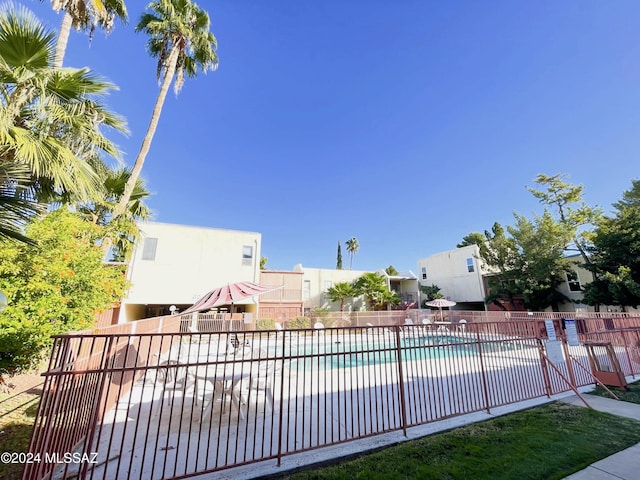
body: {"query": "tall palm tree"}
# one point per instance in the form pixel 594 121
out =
pixel 85 15
pixel 50 119
pixel 181 40
pixel 352 248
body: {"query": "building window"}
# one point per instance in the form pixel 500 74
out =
pixel 470 265
pixel 306 290
pixel 149 248
pixel 424 273
pixel 247 255
pixel 574 282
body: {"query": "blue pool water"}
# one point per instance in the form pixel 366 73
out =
pixel 334 352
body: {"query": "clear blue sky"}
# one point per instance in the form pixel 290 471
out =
pixel 405 124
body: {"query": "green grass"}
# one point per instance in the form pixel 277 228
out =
pixel 548 442
pixel 17 414
pixel 631 395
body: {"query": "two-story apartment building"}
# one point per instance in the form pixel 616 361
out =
pixel 178 264
pixel 459 275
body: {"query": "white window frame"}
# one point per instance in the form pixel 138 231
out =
pixel 149 248
pixel 247 255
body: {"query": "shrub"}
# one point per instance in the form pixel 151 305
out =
pixel 265 324
pixel 298 323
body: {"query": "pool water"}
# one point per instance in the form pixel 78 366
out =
pixel 331 353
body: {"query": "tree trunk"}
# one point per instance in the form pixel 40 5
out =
pixel 146 143
pixel 63 39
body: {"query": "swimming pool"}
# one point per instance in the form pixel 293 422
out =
pixel 332 352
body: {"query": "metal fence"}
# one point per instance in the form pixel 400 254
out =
pixel 160 403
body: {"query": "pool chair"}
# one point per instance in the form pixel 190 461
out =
pixel 262 378
pixel 174 377
pixel 426 323
pixel 462 325
pixel 318 326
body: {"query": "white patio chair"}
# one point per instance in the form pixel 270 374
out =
pixel 175 377
pixel 462 325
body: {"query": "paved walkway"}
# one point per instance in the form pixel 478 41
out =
pixel 624 465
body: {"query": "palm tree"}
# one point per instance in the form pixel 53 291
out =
pixel 373 287
pixel 352 248
pixel 124 230
pixel 181 40
pixel 340 292
pixel 85 15
pixel 50 119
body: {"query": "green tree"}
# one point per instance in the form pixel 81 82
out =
pixel 263 263
pixel 373 287
pixel 85 15
pixel 54 287
pixel 180 39
pixel 573 213
pixel 540 263
pixel 616 255
pixel 630 198
pixel 473 238
pixel 339 257
pixel 340 292
pixel 499 254
pixel 431 292
pixel 50 120
pixel 352 248
pixel 391 270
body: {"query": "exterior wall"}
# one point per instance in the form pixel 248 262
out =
pixel 318 280
pixel 282 304
pixel 449 271
pixel 188 262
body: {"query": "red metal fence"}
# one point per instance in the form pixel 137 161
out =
pixel 158 403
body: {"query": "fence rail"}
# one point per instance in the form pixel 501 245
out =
pixel 160 403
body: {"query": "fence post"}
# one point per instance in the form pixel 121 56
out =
pixel 403 407
pixel 280 421
pixel 545 368
pixel 485 387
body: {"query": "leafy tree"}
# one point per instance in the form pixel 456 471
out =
pixel 573 213
pixel 499 254
pixel 352 248
pixel 180 39
pixel 630 198
pixel 391 270
pixel 340 292
pixel 540 263
pixel 85 15
pixel 339 258
pixel 373 287
pixel 528 261
pixel 431 292
pixel 54 287
pixel 473 238
pixel 616 255
pixel 263 263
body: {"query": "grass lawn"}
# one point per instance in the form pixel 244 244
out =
pixel 632 395
pixel 547 442
pixel 17 413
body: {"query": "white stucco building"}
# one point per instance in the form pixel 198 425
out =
pixel 458 273
pixel 177 264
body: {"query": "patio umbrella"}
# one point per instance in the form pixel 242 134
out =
pixel 229 294
pixel 440 302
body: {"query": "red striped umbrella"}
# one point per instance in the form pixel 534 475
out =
pixel 229 294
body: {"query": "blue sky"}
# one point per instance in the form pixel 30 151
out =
pixel 406 124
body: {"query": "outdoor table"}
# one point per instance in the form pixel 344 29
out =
pixel 224 377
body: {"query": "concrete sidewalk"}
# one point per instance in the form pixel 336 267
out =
pixel 624 465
